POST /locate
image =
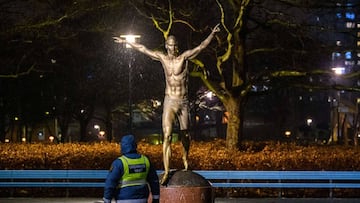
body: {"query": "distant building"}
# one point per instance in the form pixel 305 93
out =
pixel 346 55
pixel 345 59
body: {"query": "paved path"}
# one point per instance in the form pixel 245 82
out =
pixel 217 200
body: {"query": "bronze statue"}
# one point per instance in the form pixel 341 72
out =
pixel 176 103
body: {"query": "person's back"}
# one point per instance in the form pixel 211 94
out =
pixel 130 175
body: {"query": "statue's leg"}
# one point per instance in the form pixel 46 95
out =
pixel 185 140
pixel 167 119
pixel 166 154
pixel 183 117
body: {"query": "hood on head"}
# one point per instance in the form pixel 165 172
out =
pixel 128 144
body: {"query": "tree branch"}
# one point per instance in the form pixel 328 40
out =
pixel 17 75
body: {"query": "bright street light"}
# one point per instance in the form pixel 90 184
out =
pixel 130 38
pixel 309 121
pixel 96 127
pixel 209 95
pixel 338 70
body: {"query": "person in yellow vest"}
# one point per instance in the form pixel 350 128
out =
pixel 131 177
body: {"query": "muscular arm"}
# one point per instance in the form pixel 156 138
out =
pixel 192 53
pixel 139 47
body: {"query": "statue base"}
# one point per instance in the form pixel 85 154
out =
pixel 186 186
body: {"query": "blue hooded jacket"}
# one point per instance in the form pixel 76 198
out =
pixel 128 149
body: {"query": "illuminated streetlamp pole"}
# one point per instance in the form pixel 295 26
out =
pixel 130 38
pixel 338 71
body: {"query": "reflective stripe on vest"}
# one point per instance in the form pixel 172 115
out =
pixel 132 201
pixel 135 171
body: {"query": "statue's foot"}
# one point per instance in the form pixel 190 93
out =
pixel 165 178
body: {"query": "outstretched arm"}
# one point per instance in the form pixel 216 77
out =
pixel 139 47
pixel 192 53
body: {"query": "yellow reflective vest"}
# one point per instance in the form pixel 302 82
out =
pixel 135 171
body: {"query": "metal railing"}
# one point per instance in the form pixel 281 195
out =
pixel 218 179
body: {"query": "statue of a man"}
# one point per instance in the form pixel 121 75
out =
pixel 176 104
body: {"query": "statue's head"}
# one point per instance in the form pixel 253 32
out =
pixel 171 45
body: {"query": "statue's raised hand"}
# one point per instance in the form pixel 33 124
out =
pixel 119 40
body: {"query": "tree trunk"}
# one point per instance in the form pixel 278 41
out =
pixel 64 121
pixel 108 126
pixel 64 126
pixel 232 106
pixel 344 130
pixel 2 125
pixel 356 127
pixel 83 125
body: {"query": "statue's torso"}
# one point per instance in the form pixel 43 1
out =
pixel 176 75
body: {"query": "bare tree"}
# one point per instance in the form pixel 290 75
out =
pixel 269 42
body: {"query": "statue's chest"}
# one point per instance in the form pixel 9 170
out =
pixel 174 66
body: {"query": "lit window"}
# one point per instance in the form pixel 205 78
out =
pixel 338 15
pixel 358 63
pixel 338 43
pixel 348 55
pixel 358 34
pixel 358 25
pixel 336 55
pixel 350 25
pixel 358 54
pixel 350 15
pixel 358 43
pixel 349 63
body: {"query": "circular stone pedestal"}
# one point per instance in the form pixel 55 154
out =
pixel 186 187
